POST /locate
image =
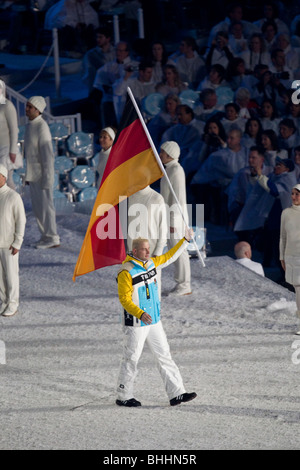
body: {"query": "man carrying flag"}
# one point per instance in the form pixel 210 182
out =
pixel 131 166
pixel 138 294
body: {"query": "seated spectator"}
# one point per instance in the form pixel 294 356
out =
pixel 269 32
pixel 253 133
pixel 171 82
pixel 232 119
pixel 283 42
pixel 159 59
pixel 243 254
pixel 214 79
pixel 141 86
pixel 235 73
pixel 97 56
pixel 234 13
pixel 187 133
pixel 294 114
pixel 108 74
pixel 268 115
pixel 255 82
pixel 208 106
pixel 164 119
pixel 76 21
pixel 219 51
pixel 271 13
pixel 255 54
pixel 270 85
pixel 242 98
pixel 237 42
pixel 190 65
pixel 288 135
pixel 213 138
pixel 279 67
pixel 269 140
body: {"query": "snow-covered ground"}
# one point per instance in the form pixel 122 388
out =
pixel 233 340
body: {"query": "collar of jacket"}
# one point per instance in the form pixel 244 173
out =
pixel 171 163
pixel 4 189
pixel 36 120
pixel 131 258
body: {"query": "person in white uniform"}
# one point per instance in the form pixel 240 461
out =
pixel 12 229
pixel 8 134
pixel 289 245
pixel 243 253
pixel 40 171
pixel 138 295
pixel 169 154
pixel 106 139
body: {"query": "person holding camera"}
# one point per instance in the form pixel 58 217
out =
pixel 141 85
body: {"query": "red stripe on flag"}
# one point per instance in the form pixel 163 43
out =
pixel 107 240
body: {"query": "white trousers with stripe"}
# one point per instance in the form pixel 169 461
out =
pixel 155 337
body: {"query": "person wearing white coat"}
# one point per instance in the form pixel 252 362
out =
pixel 8 134
pixel 147 218
pixel 169 154
pixel 290 244
pixel 40 171
pixel 12 229
pixel 106 139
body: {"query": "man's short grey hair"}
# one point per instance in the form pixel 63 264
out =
pixel 138 241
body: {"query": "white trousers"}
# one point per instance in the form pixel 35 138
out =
pixel 155 337
pixel 9 277
pixel 44 211
pixel 182 264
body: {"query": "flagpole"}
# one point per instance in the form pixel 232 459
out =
pixel 162 167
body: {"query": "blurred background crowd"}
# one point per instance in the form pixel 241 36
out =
pixel 219 79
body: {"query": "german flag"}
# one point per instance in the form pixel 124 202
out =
pixel 131 166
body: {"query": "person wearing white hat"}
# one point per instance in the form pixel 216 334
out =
pixel 169 154
pixel 12 228
pixel 40 171
pixel 8 134
pixel 290 244
pixel 106 140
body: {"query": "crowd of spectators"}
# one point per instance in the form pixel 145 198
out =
pixel 228 101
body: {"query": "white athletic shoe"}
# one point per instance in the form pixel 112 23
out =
pixel 178 290
pixel 42 245
pixel 10 311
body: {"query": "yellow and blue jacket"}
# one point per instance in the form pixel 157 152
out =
pixel 137 285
